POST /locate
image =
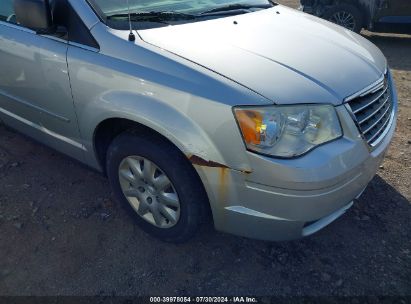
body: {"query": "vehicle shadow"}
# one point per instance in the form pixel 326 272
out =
pixel 397 49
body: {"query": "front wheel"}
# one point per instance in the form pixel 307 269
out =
pixel 157 184
pixel 345 15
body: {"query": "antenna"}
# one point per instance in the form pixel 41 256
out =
pixel 131 36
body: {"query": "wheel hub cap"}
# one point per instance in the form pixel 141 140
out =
pixel 149 191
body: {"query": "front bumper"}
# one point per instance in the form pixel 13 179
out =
pixel 290 199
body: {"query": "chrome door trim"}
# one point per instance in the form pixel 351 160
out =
pixel 44 130
pixel 57 39
pixel 85 47
pixel 27 30
pixel 75 44
pixel 17 27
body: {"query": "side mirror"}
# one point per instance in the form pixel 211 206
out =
pixel 34 14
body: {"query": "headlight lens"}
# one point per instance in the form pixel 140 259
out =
pixel 287 131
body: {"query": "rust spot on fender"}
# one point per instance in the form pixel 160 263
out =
pixel 221 171
pixel 223 176
pixel 196 160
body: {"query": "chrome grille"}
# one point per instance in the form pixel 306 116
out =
pixel 373 110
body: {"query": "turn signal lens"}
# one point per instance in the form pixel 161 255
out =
pixel 250 123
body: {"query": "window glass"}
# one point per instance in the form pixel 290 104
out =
pixel 7 11
pixel 109 7
pixel 146 12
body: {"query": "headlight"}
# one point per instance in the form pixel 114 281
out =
pixel 287 131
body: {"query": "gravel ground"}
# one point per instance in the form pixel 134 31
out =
pixel 63 234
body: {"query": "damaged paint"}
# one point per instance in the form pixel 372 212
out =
pixel 199 161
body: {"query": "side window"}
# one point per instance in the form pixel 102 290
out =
pixel 63 15
pixel 7 11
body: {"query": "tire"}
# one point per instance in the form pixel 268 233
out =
pixel 345 12
pixel 129 148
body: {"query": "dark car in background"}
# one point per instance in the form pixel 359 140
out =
pixel 390 16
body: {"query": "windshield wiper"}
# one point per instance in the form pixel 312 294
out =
pixel 235 7
pixel 154 16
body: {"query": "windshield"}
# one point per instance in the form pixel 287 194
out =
pixel 110 7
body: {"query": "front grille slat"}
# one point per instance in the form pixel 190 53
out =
pixel 373 110
pixel 380 130
pixel 376 121
pixel 355 111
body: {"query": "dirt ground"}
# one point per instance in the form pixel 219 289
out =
pixel 61 233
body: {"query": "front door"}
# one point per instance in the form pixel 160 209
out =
pixel 35 93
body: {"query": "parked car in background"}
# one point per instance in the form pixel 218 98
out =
pixel 203 107
pixel 391 16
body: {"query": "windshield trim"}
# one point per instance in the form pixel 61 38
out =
pixel 97 10
pixel 105 18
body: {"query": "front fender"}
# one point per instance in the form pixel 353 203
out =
pixel 159 116
pixel 187 104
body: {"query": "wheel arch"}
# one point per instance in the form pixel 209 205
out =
pixel 115 112
pixel 108 129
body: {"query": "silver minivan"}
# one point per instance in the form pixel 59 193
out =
pixel 267 119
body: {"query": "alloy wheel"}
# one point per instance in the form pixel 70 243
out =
pixel 344 19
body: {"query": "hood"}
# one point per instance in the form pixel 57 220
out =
pixel 283 54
